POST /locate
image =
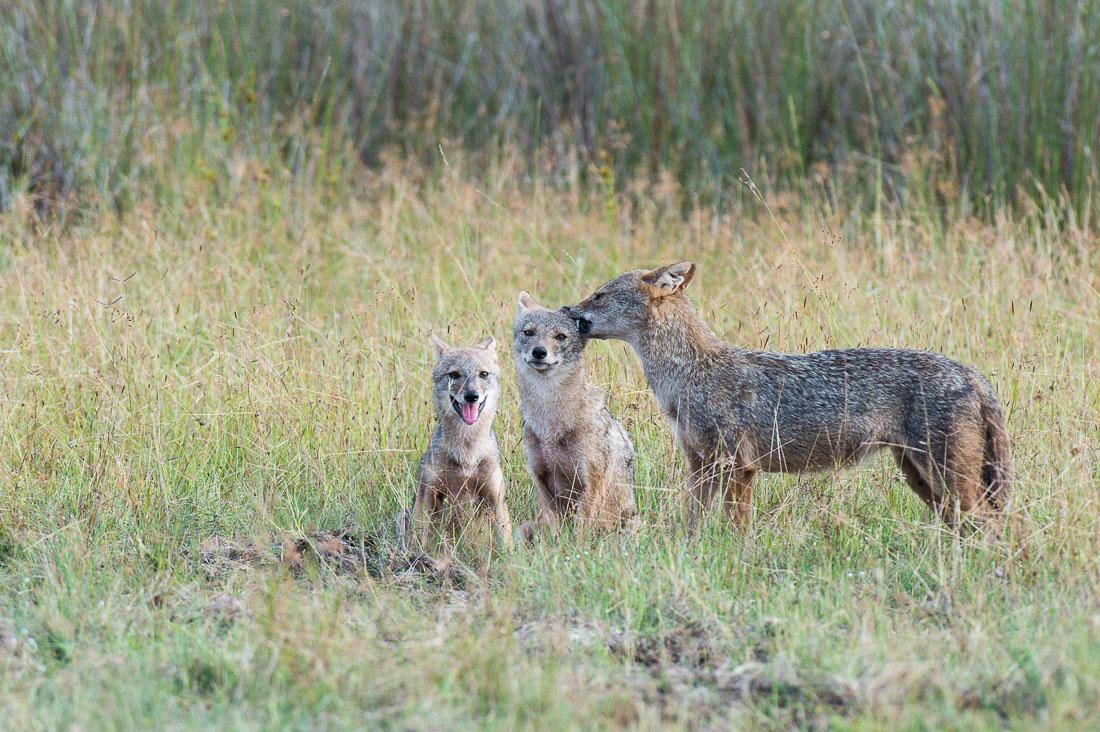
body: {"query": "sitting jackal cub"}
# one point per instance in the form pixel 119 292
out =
pixel 581 459
pixel 737 411
pixel 460 479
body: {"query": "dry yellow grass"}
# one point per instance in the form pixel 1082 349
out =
pixel 222 370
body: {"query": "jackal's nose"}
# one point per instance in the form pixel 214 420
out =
pixel 471 396
pixel 538 352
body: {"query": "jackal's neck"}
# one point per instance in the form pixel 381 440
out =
pixel 571 380
pixel 557 403
pixel 467 444
pixel 676 343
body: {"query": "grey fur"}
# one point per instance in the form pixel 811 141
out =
pixel 737 411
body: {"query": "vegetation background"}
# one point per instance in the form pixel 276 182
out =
pixel 226 229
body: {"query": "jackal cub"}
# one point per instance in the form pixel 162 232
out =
pixel 737 411
pixel 460 479
pixel 581 459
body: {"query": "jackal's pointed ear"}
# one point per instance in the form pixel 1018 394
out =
pixel 438 346
pixel 670 278
pixel 525 301
pixel 489 344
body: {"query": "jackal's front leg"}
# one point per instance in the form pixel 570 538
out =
pixel 426 516
pixel 716 470
pixel 546 515
pixel 502 519
pixel 595 510
pixel 701 487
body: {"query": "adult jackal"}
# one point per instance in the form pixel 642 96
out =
pixel 737 411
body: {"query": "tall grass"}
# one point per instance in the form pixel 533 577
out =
pixel 966 104
pixel 187 384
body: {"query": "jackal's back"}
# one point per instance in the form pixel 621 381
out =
pixel 828 408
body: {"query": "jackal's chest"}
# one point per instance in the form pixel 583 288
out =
pixel 566 476
pixel 460 483
pixel 562 456
pixel 559 453
pixel 677 414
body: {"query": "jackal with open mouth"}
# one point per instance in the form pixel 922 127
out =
pixel 460 478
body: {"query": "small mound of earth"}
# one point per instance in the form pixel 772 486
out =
pixel 380 553
pixel 219 557
pixel 345 551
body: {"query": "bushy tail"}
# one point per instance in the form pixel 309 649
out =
pixel 997 475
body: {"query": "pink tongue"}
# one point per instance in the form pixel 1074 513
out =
pixel 469 413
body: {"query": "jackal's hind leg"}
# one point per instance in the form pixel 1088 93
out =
pixel 737 494
pixel 919 481
pixel 963 467
pixel 600 507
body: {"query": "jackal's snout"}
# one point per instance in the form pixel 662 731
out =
pixel 538 357
pixel 470 407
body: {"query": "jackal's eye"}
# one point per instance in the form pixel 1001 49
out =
pixel 560 337
pixel 529 332
pixel 454 375
pixel 484 374
pixel 597 297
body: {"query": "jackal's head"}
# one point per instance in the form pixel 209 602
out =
pixel 465 381
pixel 546 341
pixel 622 307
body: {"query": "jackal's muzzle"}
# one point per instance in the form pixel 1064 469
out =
pixel 470 407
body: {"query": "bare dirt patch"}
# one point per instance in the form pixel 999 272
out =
pixel 687 672
pixel 344 552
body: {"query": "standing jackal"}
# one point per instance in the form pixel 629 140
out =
pixel 460 477
pixel 580 457
pixel 737 411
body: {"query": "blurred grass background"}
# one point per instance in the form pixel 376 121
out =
pixel 967 105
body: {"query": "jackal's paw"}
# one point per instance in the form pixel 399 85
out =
pixel 426 564
pixel 630 523
pixel 402 526
pixel 525 534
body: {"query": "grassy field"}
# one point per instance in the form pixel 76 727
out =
pixel 191 387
